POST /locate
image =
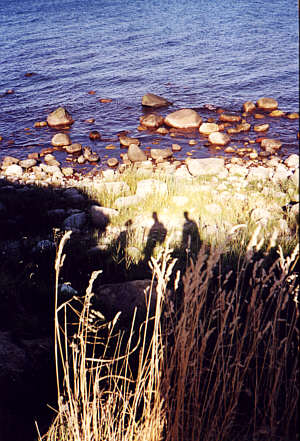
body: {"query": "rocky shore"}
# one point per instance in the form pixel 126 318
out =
pixel 145 190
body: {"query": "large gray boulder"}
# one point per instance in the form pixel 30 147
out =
pixel 183 119
pixel 151 100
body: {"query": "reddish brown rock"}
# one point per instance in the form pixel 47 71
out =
pixel 94 135
pixel 229 117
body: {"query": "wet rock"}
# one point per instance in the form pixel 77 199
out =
pixel 261 127
pixel 248 106
pixel 94 135
pixel 157 154
pixel 135 154
pixel 270 145
pixel 151 186
pixel 40 124
pixel 125 141
pixel 218 138
pixel 13 170
pixel 151 100
pixel 162 131
pixel 205 166
pixel 267 104
pixel 293 115
pixel 112 162
pixel 60 140
pixel 208 128
pixel 230 117
pixel 276 113
pixel 183 119
pixel 59 118
pixel 176 147
pixel 89 155
pixel 27 163
pixel 292 161
pixel 151 121
pixel 74 148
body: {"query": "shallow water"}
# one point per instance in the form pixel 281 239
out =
pixel 193 53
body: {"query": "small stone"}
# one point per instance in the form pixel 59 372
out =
pixel 259 116
pixel 151 100
pixel 277 113
pixel 67 171
pixel 249 106
pixel 105 100
pixel 125 141
pixel 229 150
pixel 229 117
pixel 193 142
pixel 74 148
pixel 94 135
pixel 176 147
pixel 112 162
pixel 267 104
pixel 90 121
pixel 218 138
pixel 40 124
pixel 60 140
pixel 110 147
pixel 293 115
pixel 89 155
pixel 162 131
pixel 261 127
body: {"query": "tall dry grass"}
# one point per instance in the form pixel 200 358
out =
pixel 218 361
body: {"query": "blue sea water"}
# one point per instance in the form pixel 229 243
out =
pixel 193 53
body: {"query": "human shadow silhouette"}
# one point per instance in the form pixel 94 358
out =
pixel 157 234
pixel 191 241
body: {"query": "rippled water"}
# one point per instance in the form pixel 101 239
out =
pixel 193 53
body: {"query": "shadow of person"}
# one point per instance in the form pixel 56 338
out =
pixel 121 241
pixel 191 241
pixel 157 235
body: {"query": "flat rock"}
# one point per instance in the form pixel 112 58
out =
pixel 205 166
pixel 208 128
pixel 267 103
pixel 59 118
pixel 112 162
pixel 218 138
pixel 27 163
pixel 183 119
pixel 151 121
pixel 151 100
pixel 135 154
pixel 74 148
pixel 126 141
pixel 261 127
pixel 230 117
pixel 161 153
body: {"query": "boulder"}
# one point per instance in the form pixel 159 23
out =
pixel 151 121
pixel 127 201
pixel 75 222
pixel 59 118
pixel 27 163
pixel 208 128
pixel 100 216
pixel 60 140
pixel 267 104
pixel 248 106
pixel 205 166
pixel 183 119
pixel 135 154
pixel 161 153
pixel 151 100
pixel 260 173
pixel 218 138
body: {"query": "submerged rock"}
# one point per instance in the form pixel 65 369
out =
pixel 151 121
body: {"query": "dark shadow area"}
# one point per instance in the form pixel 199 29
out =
pixel 157 235
pixel 190 242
